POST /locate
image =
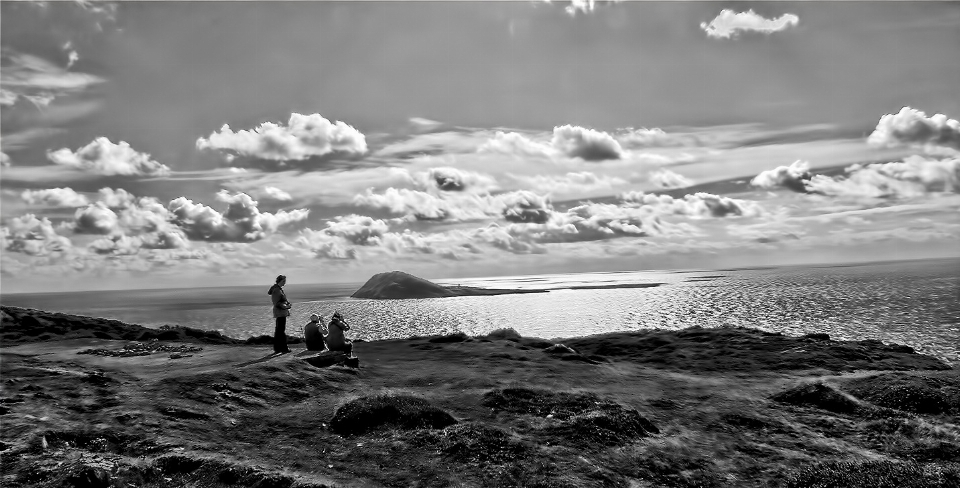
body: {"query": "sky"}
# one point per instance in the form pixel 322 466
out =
pixel 182 144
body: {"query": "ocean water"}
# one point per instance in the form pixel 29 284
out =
pixel 911 302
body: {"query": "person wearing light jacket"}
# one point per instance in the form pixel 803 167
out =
pixel 281 310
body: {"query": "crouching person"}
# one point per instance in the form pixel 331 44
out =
pixel 312 334
pixel 336 341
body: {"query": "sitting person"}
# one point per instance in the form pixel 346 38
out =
pixel 335 339
pixel 312 334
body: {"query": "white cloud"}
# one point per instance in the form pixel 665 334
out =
pixel 911 127
pixel 303 137
pixel 668 179
pixel 96 219
pixel 568 140
pixel 38 80
pixel 116 198
pixel 276 194
pixel 912 177
pixel 654 138
pixel 357 229
pixel 516 144
pixel 729 23
pixel 106 158
pixel 4 160
pixel 569 185
pixel 525 206
pixel 242 221
pixel 323 245
pixel 587 144
pixel 793 177
pixel 33 236
pixel 454 206
pixel 117 244
pixel 698 205
pixel 56 197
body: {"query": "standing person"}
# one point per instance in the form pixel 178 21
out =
pixel 335 339
pixel 281 310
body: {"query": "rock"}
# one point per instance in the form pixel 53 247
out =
pixel 818 395
pixel 88 477
pixel 326 359
pixel 381 412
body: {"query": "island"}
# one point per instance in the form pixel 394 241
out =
pixel 395 285
pixel 92 402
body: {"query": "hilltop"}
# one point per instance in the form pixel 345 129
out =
pixel 400 285
pixel 728 407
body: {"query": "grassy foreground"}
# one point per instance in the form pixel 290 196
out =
pixel 90 402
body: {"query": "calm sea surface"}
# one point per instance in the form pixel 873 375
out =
pixel 915 303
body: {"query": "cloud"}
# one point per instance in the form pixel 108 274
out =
pixel 454 206
pixel 526 207
pixel 276 194
pixel 911 127
pixel 516 144
pixel 96 219
pixel 242 221
pixel 793 177
pixel 570 184
pixel 5 160
pixel 668 179
pixel 117 244
pixel 357 229
pixel 698 205
pixel 587 144
pixel 38 80
pixel 452 179
pixel 56 197
pixel 326 246
pixel 568 140
pixel 421 124
pixel 914 176
pixel 729 23
pixel 106 158
pixel 582 6
pixel 643 137
pixel 116 198
pixel 304 137
pixel 33 236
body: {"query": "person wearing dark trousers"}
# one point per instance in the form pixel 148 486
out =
pixel 281 310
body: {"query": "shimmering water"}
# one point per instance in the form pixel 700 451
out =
pixel 915 303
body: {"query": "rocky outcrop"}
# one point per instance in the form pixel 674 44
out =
pixel 400 285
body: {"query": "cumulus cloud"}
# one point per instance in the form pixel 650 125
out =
pixel 4 159
pixel 582 6
pixel 452 179
pixel 729 23
pixel 118 198
pixel 96 219
pixel 357 229
pixel 914 176
pixel 568 140
pixel 303 137
pixel 106 158
pixel 668 179
pixel 516 144
pixel 33 236
pixel 117 244
pixel 455 206
pixel 276 194
pixel 911 127
pixel 587 144
pixel 526 207
pixel 698 205
pixel 241 222
pixel 325 246
pixel 793 177
pixel 56 197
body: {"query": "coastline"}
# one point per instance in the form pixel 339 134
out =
pixel 708 407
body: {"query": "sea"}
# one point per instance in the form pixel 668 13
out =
pixel 907 302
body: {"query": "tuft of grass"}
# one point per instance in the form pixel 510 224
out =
pixel 507 334
pixel 909 393
pixel 380 412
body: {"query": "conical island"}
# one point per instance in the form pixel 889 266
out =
pixel 400 285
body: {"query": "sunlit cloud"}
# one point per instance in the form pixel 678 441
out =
pixel 668 179
pixel 914 176
pixel 730 23
pixel 793 177
pixel 304 137
pixel 104 157
pixel 55 197
pixel 242 221
pixel 911 127
pixel 275 193
pixel 38 80
pixel 32 236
